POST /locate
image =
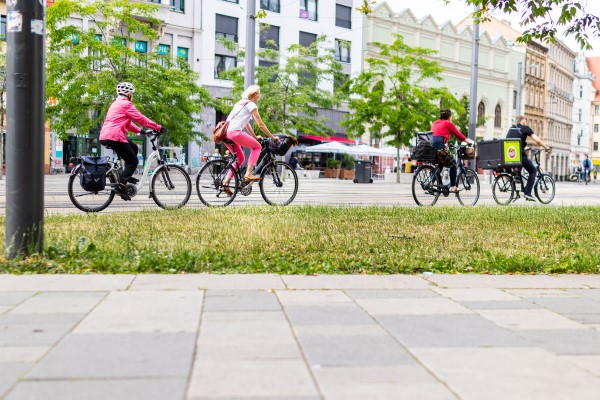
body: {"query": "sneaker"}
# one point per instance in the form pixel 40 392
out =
pixel 133 180
pixel 529 197
pixel 121 191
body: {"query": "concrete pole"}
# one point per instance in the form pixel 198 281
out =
pixel 474 75
pixel 25 128
pixel 250 42
pixel 519 88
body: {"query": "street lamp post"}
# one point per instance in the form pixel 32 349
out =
pixel 250 42
pixel 25 127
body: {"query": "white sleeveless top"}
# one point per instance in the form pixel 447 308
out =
pixel 237 122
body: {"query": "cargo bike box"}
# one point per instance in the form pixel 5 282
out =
pixel 499 153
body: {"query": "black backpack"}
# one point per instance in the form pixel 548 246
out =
pixel 423 151
pixel 93 173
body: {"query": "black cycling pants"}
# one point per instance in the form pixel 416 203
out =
pixel 128 152
pixel 530 168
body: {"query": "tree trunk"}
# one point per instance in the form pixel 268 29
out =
pixel 397 164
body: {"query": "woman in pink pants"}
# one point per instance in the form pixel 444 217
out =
pixel 239 118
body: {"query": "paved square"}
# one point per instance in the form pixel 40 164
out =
pixel 201 336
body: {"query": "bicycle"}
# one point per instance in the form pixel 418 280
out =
pixel 170 185
pixel 505 188
pixel 427 184
pixel 278 184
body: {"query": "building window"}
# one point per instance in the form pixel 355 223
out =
pixel 227 27
pixel 498 116
pixel 2 27
pixel 596 110
pixel 141 47
pixel 595 146
pixel 342 50
pixel 514 99
pixel 340 80
pixel 232 1
pixel 164 52
pixel 183 54
pixel 267 64
pixel 343 16
pixel 580 115
pixel 270 5
pixel 178 5
pixel 154 1
pixel 595 128
pixel 481 113
pixel 580 92
pixel 308 9
pixel 306 39
pixel 269 36
pixel 223 63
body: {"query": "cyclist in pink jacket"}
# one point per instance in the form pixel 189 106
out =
pixel 113 135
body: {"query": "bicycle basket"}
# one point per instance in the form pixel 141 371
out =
pixel 466 153
pixel 284 145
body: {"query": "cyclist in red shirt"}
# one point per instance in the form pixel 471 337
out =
pixel 443 129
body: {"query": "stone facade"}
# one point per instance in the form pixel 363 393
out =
pixel 498 61
pixel 594 66
pixel 584 92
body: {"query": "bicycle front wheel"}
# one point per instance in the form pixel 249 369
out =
pixel 503 189
pixel 424 188
pixel 469 182
pixel 91 201
pixel 279 184
pixel 170 186
pixel 209 184
pixel 545 189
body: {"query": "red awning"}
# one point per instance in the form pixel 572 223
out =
pixel 330 139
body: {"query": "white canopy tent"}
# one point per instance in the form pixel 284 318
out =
pixel 329 147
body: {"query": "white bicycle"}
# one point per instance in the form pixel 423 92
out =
pixel 170 185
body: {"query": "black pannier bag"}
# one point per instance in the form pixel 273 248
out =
pixel 93 173
pixel 423 151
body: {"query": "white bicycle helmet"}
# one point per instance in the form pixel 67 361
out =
pixel 125 88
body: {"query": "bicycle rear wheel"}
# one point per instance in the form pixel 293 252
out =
pixel 545 189
pixel 424 188
pixel 209 184
pixel 279 184
pixel 170 186
pixel 469 182
pixel 503 189
pixel 90 201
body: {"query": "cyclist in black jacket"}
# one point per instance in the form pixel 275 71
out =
pixel 522 131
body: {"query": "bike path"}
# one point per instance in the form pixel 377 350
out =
pixel 203 336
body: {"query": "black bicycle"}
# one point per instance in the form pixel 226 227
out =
pixel 428 185
pixel 170 186
pixel 278 184
pixel 505 188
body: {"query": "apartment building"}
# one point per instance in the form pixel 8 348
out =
pixel 498 61
pixel 559 111
pixel 288 22
pixel 594 67
pixel 534 95
pixel 584 93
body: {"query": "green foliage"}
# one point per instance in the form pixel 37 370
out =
pixel 294 240
pixel 347 161
pixel 545 18
pixel 392 99
pixel 462 119
pixel 333 163
pixel 290 87
pixel 84 66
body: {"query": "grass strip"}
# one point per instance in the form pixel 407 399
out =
pixel 321 240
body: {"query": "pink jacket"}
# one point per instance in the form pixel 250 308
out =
pixel 119 119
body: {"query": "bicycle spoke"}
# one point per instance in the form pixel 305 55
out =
pixel 503 189
pixel 469 182
pixel 90 201
pixel 424 187
pixel 209 184
pixel 171 187
pixel 279 185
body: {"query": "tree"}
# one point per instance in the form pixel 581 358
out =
pixel 84 66
pixel 291 86
pixel 545 17
pixel 390 99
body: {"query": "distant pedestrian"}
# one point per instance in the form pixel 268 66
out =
pixel 587 165
pixel 293 161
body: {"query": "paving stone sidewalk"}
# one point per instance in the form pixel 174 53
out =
pixel 299 337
